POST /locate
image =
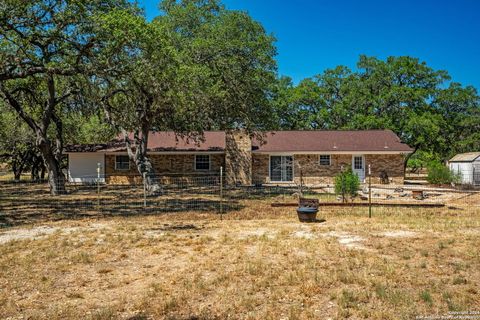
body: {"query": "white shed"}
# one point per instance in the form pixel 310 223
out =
pixel 468 166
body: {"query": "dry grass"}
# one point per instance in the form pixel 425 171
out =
pixel 258 263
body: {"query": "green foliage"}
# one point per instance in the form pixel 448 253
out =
pixel 347 184
pixel 15 136
pixel 49 50
pixel 196 67
pixel 421 159
pixel 400 93
pixel 86 129
pixel 438 173
pixel 17 147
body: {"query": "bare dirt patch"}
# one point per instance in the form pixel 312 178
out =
pixel 305 234
pixel 399 234
pixel 38 232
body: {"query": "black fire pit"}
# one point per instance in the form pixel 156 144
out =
pixel 307 210
pixel 306 214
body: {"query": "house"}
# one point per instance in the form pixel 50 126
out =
pixel 280 157
pixel 467 165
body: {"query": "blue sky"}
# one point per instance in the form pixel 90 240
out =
pixel 316 35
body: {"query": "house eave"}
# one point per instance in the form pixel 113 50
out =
pixel 330 152
pixel 169 152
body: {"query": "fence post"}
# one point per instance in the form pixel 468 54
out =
pixel 474 180
pixel 221 193
pixel 98 184
pixel 369 191
pixel 144 192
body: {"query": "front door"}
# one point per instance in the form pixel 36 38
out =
pixel 358 166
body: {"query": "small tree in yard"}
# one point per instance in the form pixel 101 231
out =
pixel 347 184
pixel 441 174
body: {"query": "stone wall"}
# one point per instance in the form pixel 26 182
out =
pixel 164 165
pixel 244 168
pixel 260 170
pixel 238 158
pixel 113 176
pixel 392 164
pixel 308 168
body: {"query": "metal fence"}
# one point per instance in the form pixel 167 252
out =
pixel 27 200
pixel 173 194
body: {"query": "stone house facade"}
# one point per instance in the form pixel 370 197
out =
pixel 281 157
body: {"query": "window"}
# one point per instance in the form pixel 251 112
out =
pixel 122 163
pixel 281 168
pixel 358 163
pixel 324 159
pixel 202 162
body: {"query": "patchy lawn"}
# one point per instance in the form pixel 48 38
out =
pixel 258 263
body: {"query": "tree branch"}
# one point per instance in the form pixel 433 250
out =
pixel 18 108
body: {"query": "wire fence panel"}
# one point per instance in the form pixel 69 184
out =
pixel 29 201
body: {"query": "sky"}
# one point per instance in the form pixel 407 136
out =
pixel 313 36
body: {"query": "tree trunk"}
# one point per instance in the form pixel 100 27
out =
pixel 18 165
pixel 34 173
pixel 406 160
pixel 139 157
pixel 137 146
pixel 145 168
pixel 35 170
pixel 17 174
pixel 51 154
pixel 56 179
pixel 38 168
pixel 42 172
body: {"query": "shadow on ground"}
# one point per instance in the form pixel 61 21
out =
pixel 31 203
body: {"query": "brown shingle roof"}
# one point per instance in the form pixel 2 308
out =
pixel 275 141
pixel 160 141
pixel 332 141
pixel 168 141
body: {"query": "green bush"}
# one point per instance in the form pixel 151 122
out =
pixel 438 173
pixel 347 184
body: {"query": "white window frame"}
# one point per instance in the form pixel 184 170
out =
pixel 325 155
pixel 362 162
pixel 209 162
pixel 270 168
pixel 116 162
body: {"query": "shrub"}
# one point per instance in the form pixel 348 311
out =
pixel 347 184
pixel 441 174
